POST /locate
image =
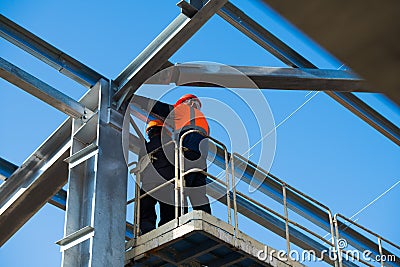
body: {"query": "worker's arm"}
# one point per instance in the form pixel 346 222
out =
pixel 155 107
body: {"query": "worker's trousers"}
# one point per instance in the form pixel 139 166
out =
pixel 164 196
pixel 196 182
pixel 148 216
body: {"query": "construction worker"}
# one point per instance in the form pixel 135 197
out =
pixel 186 116
pixel 156 169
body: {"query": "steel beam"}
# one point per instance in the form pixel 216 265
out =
pixel 97 192
pixel 60 198
pixel 48 53
pixel 162 48
pixel 262 37
pixel 43 91
pixel 263 77
pixel 289 56
pixel 33 184
pixel 367 114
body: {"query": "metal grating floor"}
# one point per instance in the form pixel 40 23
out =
pixel 197 239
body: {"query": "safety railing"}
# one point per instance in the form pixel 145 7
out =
pixel 285 187
pixel 379 253
pixel 180 174
pixel 138 196
pixel 183 173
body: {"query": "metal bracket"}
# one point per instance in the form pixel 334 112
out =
pixel 87 115
pixel 82 155
pixel 115 119
pixel 75 238
pixel 88 131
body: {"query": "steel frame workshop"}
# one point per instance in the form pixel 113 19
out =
pixel 80 150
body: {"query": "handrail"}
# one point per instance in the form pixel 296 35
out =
pixel 366 229
pixel 285 217
pixel 380 251
pixel 285 185
pixel 182 169
pixel 138 197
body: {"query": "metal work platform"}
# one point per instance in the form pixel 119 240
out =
pixel 198 239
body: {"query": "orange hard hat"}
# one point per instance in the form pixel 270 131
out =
pixel 187 97
pixel 154 123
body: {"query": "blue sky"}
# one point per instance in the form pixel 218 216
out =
pixel 323 149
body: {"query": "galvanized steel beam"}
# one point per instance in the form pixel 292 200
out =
pixel 289 56
pixel 162 48
pixel 43 91
pixel 34 183
pixel 263 77
pixel 60 198
pixel 368 114
pixel 47 53
pixel 262 37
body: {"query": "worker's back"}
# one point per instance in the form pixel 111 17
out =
pixel 159 166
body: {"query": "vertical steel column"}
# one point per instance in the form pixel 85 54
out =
pixel 96 205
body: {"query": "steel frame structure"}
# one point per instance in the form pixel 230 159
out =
pixel 89 142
